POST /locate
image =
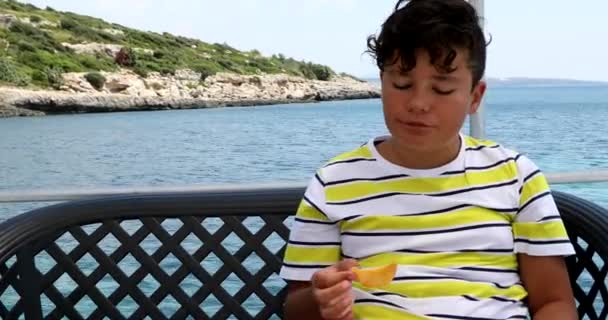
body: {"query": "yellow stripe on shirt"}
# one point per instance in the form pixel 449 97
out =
pixel 309 212
pixel 458 217
pixel 359 189
pixel 540 230
pixel 376 311
pixel 444 288
pixel 362 152
pixel 312 254
pixel 472 142
pixel 537 185
pixel 446 260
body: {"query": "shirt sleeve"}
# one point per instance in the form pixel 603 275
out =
pixel 314 239
pixel 538 229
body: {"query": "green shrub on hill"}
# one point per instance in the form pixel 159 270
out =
pixel 96 79
pixel 322 73
pixel 10 74
pixel 37 54
pixel 68 24
pixel 54 77
pixel 40 78
pixel 35 19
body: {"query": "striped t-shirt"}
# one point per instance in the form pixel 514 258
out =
pixel 455 231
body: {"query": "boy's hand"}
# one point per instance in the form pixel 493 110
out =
pixel 331 289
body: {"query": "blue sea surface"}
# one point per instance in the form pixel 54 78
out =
pixel 559 128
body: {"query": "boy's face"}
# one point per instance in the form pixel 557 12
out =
pixel 425 108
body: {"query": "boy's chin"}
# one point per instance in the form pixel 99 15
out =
pixel 419 143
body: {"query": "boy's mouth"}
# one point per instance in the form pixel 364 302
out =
pixel 416 124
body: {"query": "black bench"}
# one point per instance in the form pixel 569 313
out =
pixel 211 255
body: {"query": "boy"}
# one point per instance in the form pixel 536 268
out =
pixel 472 225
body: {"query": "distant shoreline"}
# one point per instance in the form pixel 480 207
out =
pixel 128 92
pixel 523 81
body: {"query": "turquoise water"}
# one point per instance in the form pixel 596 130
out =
pixel 560 128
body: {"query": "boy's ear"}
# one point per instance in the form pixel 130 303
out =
pixel 477 96
pixel 381 74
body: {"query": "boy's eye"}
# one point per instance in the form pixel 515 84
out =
pixel 443 92
pixel 402 87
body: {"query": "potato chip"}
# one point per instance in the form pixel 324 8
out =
pixel 376 277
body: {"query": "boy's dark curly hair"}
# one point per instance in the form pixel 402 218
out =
pixel 438 26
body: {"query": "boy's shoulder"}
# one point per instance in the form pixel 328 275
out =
pixel 362 162
pixel 361 153
pixel 348 161
pixel 489 149
pixel 490 154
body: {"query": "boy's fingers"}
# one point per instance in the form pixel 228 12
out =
pixel 346 264
pixel 341 303
pixel 347 314
pixel 337 313
pixel 336 294
pixel 326 278
pixel 329 295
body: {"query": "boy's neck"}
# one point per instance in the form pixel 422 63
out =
pixel 391 150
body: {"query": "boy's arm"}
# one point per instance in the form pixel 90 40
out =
pixel 327 296
pixel 319 281
pixel 300 303
pixel 549 292
pixel 541 243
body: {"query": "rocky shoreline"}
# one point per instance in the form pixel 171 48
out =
pixel 126 91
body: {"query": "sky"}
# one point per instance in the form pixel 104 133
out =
pixel 530 38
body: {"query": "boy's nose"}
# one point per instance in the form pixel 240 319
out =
pixel 418 102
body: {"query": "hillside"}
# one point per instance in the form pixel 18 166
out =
pixel 37 45
pixel 60 62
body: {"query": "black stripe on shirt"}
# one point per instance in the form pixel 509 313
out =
pixel 491 186
pixel 315 221
pixel 306 266
pixel 319 179
pixel 367 300
pixel 406 278
pixel 503 209
pixel 541 242
pixel 315 206
pixel 384 293
pixel 488 269
pixel 531 175
pixel 528 177
pixel 352 217
pixel 479 167
pixel 349 161
pixel 394 176
pixel 450 316
pixel 470 298
pixel 482 147
pixel 510 250
pixel 503 299
pixel 460 206
pixel 548 218
pixel 417 233
pixel 536 197
pixel 313 243
pixel 506 250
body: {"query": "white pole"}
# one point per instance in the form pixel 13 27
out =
pixel 477 121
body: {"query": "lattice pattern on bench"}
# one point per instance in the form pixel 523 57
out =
pixel 206 268
pixel 195 265
pixel 588 274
